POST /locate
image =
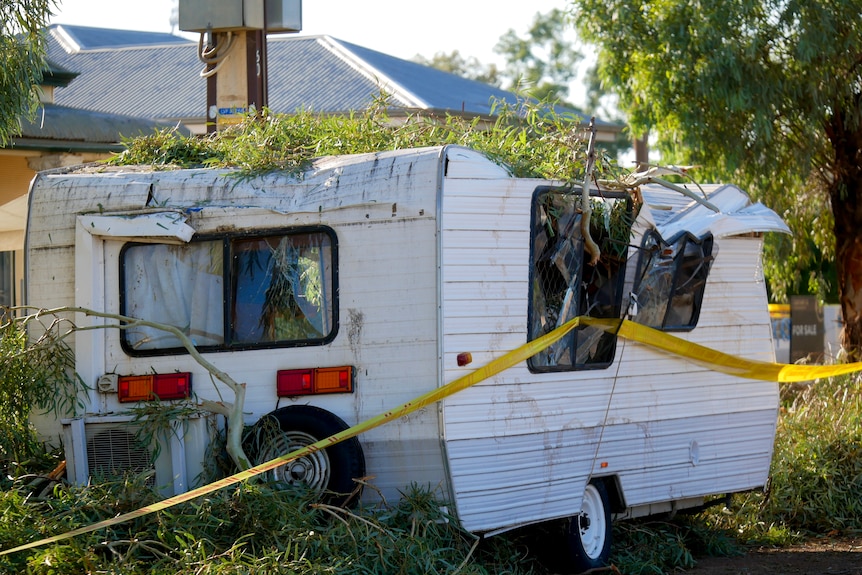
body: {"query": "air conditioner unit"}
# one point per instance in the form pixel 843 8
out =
pixel 107 445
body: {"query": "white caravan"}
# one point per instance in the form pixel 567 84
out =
pixel 364 281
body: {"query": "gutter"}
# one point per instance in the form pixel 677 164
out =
pixel 35 144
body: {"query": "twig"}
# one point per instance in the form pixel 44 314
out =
pixel 332 509
pixel 233 412
pixel 586 209
pixel 467 558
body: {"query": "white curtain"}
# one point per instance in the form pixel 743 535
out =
pixel 176 285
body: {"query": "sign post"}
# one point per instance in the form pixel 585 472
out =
pixel 806 337
pixel 233 51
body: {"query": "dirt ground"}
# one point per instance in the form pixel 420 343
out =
pixel 817 557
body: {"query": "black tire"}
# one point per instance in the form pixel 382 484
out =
pixel 328 473
pixel 588 534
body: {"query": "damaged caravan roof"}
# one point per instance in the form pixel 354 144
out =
pixel 672 213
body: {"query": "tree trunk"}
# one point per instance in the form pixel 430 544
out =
pixel 849 264
pixel 845 193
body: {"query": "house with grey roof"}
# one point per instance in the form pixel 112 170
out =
pixel 127 83
pixel 59 135
pixel 157 76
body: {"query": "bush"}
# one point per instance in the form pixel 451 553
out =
pixel 244 529
pixel 531 139
pixel 816 479
pixel 32 378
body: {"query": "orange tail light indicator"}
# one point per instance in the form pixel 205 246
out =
pixel 292 382
pixel 164 386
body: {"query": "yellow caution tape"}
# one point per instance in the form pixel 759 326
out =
pixel 489 370
pixel 716 360
pixel 699 354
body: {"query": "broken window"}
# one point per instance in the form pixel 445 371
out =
pixel 563 283
pixel 276 289
pixel 671 281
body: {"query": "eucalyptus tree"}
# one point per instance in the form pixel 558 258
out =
pixel 465 66
pixel 540 64
pixel 22 60
pixel 765 92
pixel 544 62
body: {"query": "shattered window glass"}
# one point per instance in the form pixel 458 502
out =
pixel 565 284
pixel 671 281
pixel 276 289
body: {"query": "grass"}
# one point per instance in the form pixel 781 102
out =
pixel 813 490
pixel 249 528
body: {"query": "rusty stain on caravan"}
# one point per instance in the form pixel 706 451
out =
pixel 355 320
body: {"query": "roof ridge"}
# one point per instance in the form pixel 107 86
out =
pixel 363 67
pixel 64 34
pixel 65 38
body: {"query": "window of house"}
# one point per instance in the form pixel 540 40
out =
pixel 563 282
pixel 232 292
pixel 7 279
pixel 671 281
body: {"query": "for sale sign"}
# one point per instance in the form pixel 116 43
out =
pixel 806 336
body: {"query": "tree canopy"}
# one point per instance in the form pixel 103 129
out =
pixel 465 66
pixel 767 93
pixel 545 61
pixel 540 64
pixel 22 52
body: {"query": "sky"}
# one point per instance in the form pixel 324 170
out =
pixel 397 27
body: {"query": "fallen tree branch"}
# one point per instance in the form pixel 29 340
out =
pixel 232 411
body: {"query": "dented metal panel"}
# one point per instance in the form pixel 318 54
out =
pixel 435 256
pixel 522 445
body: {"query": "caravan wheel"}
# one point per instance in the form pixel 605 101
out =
pixel 327 472
pixel 589 533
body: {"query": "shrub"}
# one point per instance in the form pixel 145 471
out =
pixel 33 378
pixel 245 529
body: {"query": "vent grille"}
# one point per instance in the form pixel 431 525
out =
pixel 113 452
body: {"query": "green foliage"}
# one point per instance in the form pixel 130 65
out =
pixel 33 378
pixel 658 547
pixel 22 60
pixel 529 138
pixel 813 488
pixel 816 478
pixel 466 67
pixel 764 93
pixel 543 63
pixel 247 529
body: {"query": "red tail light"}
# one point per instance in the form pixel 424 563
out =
pixel 162 386
pixel 291 382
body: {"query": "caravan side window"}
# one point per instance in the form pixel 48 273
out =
pixel 671 281
pixel 231 292
pixel 563 284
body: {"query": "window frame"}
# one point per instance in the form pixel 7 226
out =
pixel 707 243
pixel 618 284
pixel 227 240
pixel 7 279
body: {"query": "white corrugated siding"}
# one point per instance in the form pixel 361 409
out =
pixel 383 210
pixel 521 446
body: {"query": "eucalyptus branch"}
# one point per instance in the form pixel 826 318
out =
pixel 233 412
pixel 132 322
pixel 586 209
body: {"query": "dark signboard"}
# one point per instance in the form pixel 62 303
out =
pixel 806 337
